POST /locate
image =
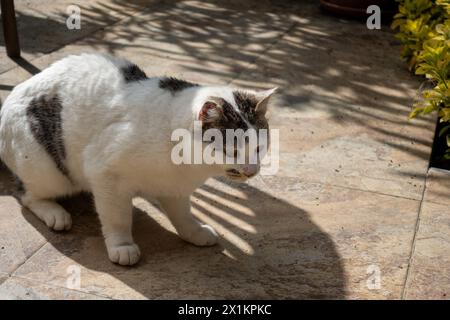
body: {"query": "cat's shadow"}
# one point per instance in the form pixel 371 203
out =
pixel 268 249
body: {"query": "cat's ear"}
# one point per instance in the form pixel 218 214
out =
pixel 263 100
pixel 210 112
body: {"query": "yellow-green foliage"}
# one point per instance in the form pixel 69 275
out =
pixel 424 30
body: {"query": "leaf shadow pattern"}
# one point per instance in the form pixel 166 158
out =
pixel 257 44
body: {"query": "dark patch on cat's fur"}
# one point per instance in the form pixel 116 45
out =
pixel 44 117
pixel 230 118
pixel 174 84
pixel 246 103
pixel 133 73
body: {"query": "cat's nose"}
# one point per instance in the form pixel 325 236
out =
pixel 250 170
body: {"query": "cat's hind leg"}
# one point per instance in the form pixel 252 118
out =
pixel 178 209
pixel 54 215
pixel 43 183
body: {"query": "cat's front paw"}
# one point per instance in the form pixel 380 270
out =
pixel 58 219
pixel 125 255
pixel 202 235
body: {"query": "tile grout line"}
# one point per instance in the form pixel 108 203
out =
pixel 270 46
pixel 11 274
pixel 372 191
pixel 365 190
pixel 413 243
pixel 437 202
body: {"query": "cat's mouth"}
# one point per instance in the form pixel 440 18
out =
pixel 235 175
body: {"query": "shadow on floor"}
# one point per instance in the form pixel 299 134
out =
pixel 43 29
pixel 26 65
pixel 273 251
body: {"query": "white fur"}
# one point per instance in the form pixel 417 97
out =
pixel 117 141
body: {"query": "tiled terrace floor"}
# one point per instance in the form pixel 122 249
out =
pixel 353 198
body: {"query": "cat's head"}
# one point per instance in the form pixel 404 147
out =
pixel 244 112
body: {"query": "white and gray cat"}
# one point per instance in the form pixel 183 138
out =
pixel 97 123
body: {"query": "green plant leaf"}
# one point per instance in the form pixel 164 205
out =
pixel 443 130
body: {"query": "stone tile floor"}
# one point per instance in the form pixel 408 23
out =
pixel 353 213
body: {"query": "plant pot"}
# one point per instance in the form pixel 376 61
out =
pixel 439 149
pixel 357 8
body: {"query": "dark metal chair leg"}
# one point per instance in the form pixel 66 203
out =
pixel 10 28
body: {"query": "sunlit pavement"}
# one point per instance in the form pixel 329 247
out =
pixel 353 212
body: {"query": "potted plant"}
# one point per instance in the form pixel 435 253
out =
pixel 357 8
